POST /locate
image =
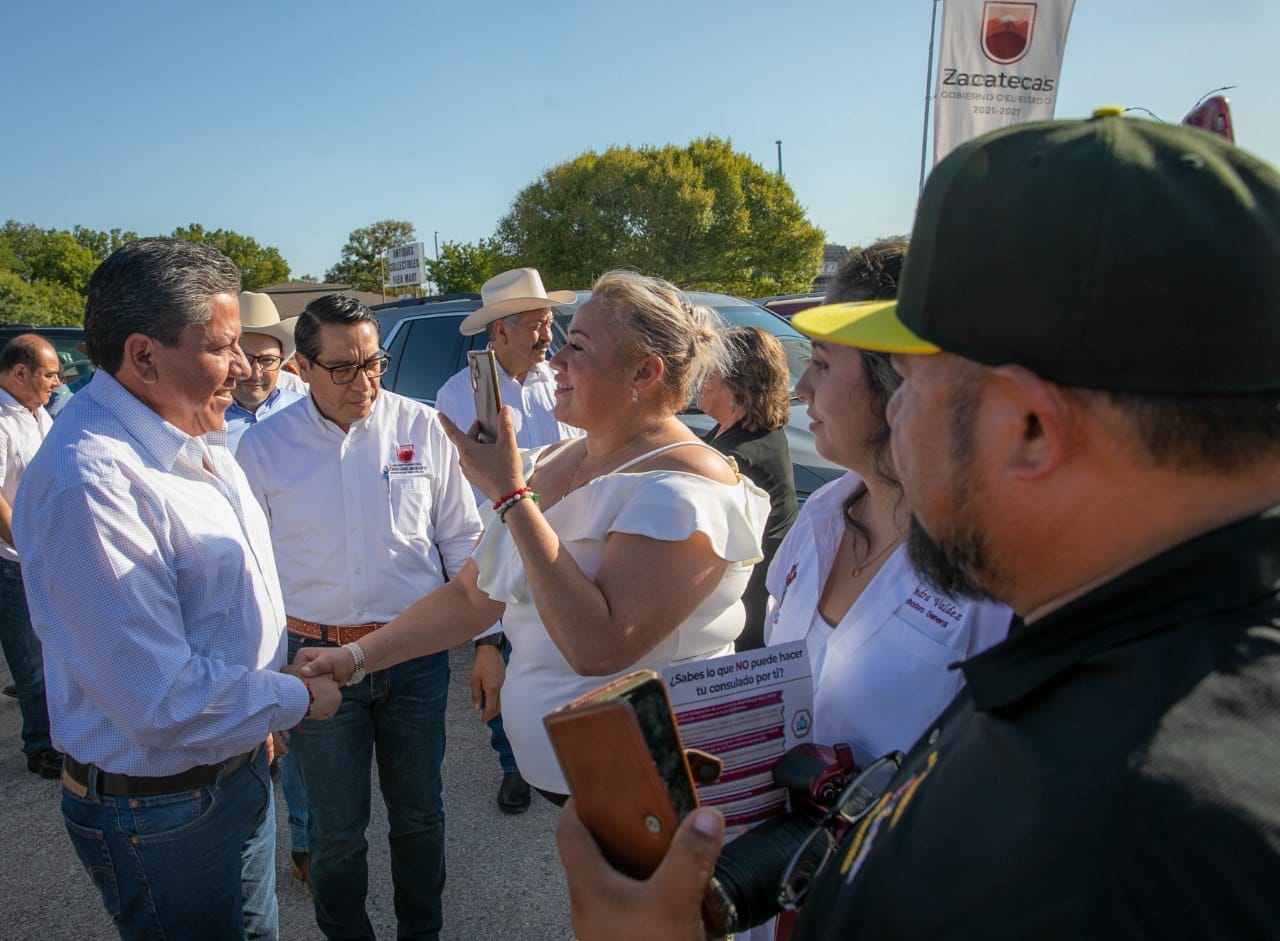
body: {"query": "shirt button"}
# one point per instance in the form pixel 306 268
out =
pixel 933 736
pixel 355 571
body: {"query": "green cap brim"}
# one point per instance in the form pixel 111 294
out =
pixel 870 325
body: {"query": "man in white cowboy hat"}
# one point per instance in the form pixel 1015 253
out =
pixel 267 341
pixel 516 315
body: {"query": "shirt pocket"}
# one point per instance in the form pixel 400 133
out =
pixel 410 505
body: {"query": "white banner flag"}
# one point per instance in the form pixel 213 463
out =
pixel 998 65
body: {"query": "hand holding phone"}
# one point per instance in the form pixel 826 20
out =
pixel 483 365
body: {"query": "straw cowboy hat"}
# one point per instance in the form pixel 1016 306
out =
pixel 259 315
pixel 512 292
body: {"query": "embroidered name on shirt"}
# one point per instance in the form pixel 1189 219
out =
pixel 933 608
pixel 408 469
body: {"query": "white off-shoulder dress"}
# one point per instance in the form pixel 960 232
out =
pixel 664 505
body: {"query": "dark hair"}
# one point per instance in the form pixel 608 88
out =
pixel 156 287
pixel 758 381
pixel 25 350
pixel 1218 434
pixel 332 308
pixel 872 275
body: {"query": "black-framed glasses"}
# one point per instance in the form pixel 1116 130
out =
pixel 269 362
pixel 345 373
pixel 854 802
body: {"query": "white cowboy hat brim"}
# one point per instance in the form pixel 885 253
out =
pixel 282 331
pixel 477 320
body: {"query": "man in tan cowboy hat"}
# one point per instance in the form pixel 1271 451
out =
pixel 516 315
pixel 267 341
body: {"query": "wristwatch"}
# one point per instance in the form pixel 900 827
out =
pixel 357 654
pixel 491 640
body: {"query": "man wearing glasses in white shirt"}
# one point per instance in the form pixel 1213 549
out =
pixel 368 511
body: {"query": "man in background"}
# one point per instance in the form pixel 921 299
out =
pixel 516 316
pixel 29 372
pixel 267 342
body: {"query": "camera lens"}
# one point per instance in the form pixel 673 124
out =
pixel 750 868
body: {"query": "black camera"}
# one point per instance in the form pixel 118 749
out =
pixel 750 870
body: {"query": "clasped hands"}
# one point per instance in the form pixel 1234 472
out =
pixel 326 689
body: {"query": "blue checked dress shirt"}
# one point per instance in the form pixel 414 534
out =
pixel 152 587
pixel 239 419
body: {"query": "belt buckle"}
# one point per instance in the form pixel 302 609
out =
pixel 74 786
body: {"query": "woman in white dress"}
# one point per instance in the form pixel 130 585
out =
pixel 880 636
pixel 635 553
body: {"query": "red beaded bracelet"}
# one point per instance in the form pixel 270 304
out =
pixel 497 504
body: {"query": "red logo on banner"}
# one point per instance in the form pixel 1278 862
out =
pixel 404 453
pixel 1006 31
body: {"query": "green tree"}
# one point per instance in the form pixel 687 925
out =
pixel 102 244
pixel 702 216
pixel 38 303
pixel 361 264
pixel 260 265
pixel 465 266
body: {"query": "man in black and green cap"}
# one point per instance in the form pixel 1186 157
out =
pixel 1088 329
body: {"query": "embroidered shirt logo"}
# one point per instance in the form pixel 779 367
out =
pixel 404 453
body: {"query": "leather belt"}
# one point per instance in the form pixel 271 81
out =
pixel 331 633
pixel 76 777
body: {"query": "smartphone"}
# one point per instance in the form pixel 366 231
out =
pixel 484 386
pixel 621 754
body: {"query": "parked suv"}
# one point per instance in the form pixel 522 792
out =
pixel 426 349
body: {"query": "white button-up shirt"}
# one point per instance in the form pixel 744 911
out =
pixel 151 584
pixel 21 434
pixel 360 520
pixel 531 401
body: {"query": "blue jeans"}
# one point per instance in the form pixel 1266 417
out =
pixel 196 864
pixel 497 735
pixel 397 714
pixel 295 800
pixel 22 653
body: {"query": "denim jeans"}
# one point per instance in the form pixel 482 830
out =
pixel 497 735
pixel 22 653
pixel 197 864
pixel 295 800
pixel 398 715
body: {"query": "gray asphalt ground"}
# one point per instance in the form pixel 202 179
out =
pixel 504 880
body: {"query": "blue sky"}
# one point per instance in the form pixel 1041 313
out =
pixel 298 122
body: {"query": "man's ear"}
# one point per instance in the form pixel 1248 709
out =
pixel 1042 417
pixel 304 367
pixel 139 358
pixel 648 373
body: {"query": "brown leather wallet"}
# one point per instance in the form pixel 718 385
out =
pixel 331 633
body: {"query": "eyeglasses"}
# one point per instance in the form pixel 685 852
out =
pixel 345 373
pixel 268 361
pixel 857 799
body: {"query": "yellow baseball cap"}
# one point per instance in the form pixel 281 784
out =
pixel 870 325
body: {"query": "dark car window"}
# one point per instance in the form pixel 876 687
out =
pixel 431 354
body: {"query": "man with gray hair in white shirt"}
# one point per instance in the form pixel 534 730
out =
pixel 153 590
pixel 368 512
pixel 516 316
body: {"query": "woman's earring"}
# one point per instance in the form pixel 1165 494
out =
pixel 635 396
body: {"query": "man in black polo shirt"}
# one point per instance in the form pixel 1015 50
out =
pixel 1099 447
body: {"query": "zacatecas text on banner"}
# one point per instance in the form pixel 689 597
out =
pixel 998 64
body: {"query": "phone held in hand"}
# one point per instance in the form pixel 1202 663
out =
pixel 621 755
pixel 483 365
